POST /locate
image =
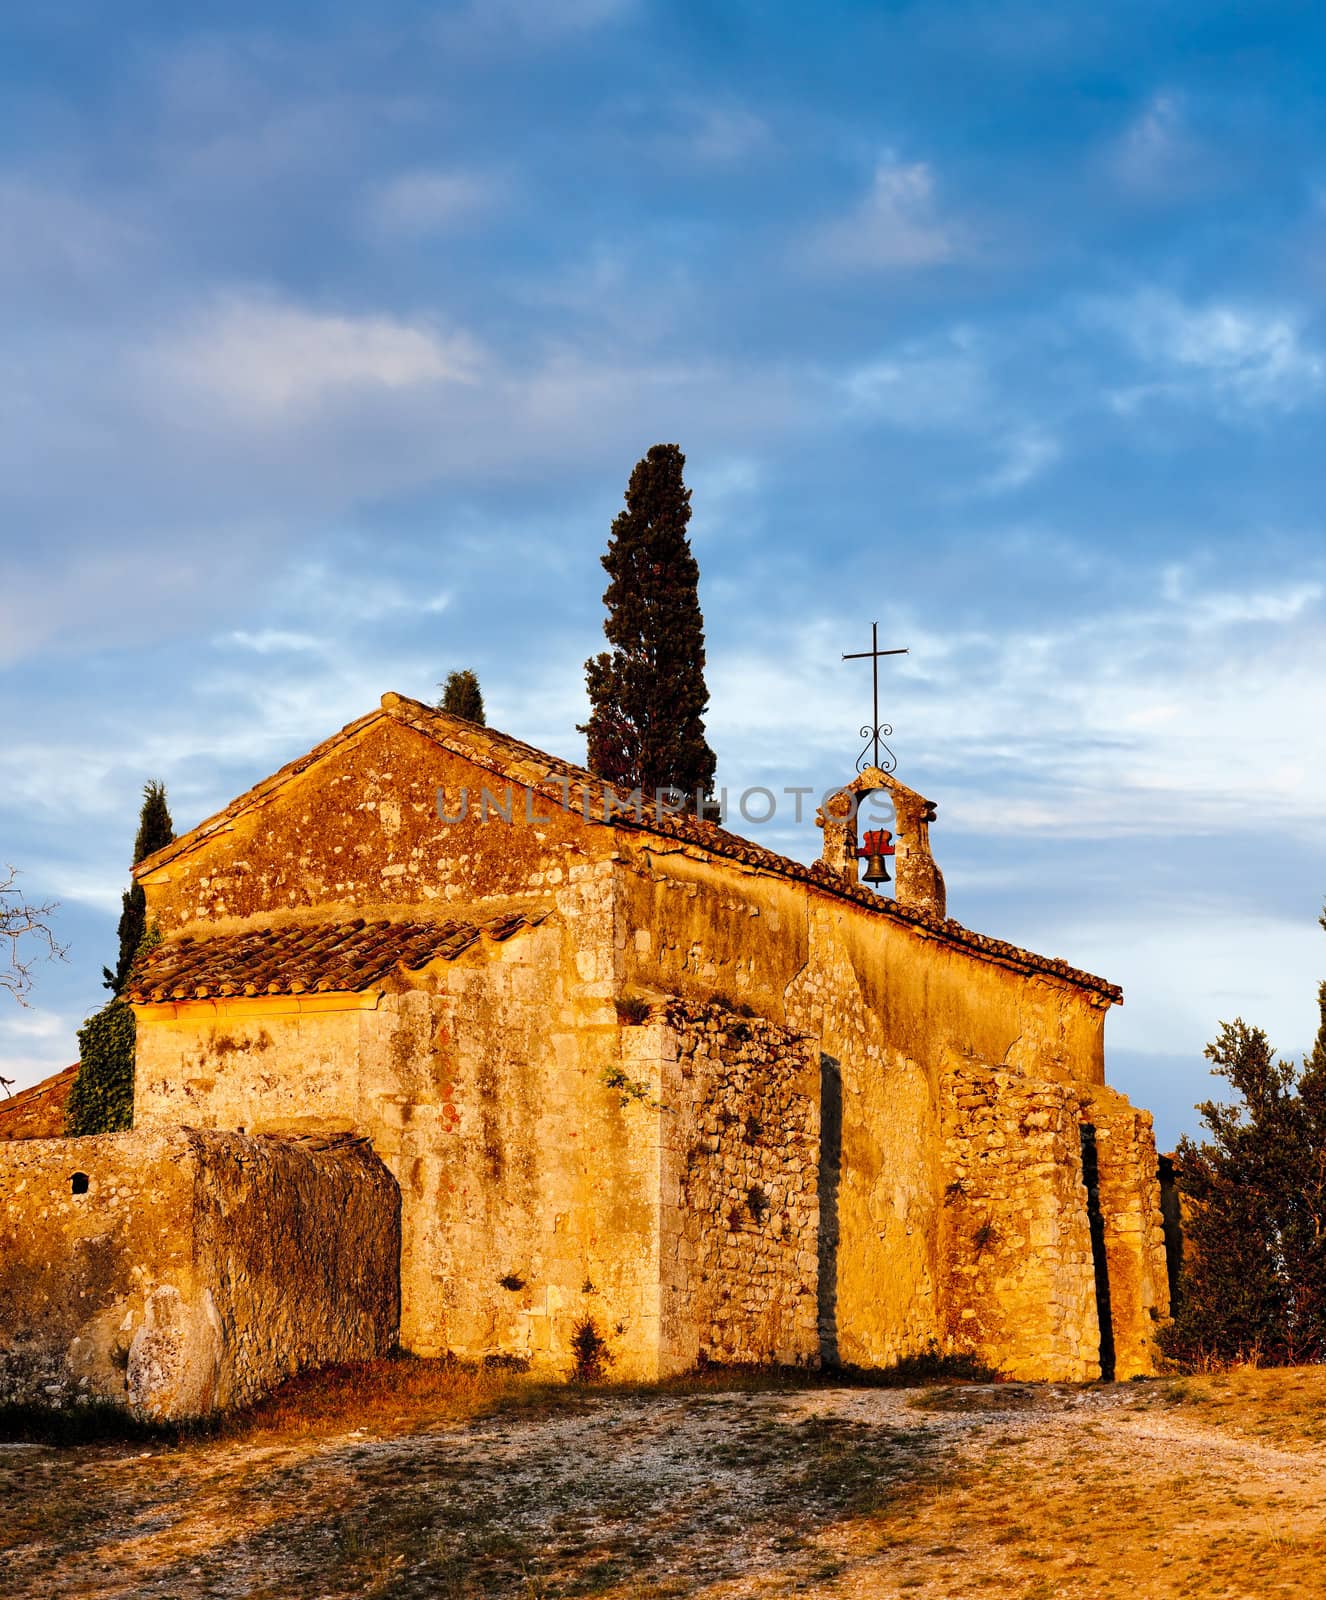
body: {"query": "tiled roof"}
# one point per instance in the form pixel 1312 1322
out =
pixel 295 959
pixel 38 1111
pixel 561 783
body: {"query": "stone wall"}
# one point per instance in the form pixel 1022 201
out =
pixel 484 1084
pixel 556 1165
pixel 902 1016
pixel 1133 1227
pixel 178 1273
pixel 740 1202
pixel 693 926
pixel 1019 1282
pixel 879 1300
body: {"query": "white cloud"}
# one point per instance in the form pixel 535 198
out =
pixel 315 591
pixel 74 886
pixel 428 201
pixel 1216 609
pixel 719 135
pixel 25 1070
pixel 1157 155
pixel 248 423
pixel 273 641
pixel 34 1044
pixel 1182 973
pixel 898 225
pixel 1028 452
pixel 1249 356
pixel 931 384
pixel 34 1024
pixel 1106 724
pixel 1128 721
pixel 266 360
pixel 106 592
pixel 946 385
pixel 55 238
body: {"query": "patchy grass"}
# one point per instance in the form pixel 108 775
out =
pixel 1094 1502
pixel 984 1398
pixel 1285 1406
pixel 406 1393
pixel 461 1483
pixel 430 1479
pixel 395 1393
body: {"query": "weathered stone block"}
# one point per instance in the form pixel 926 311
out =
pixel 179 1273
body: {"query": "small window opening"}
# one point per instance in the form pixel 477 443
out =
pixel 78 1183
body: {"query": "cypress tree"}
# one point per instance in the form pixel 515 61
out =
pixel 155 831
pixel 647 694
pixel 462 698
pixel 101 1098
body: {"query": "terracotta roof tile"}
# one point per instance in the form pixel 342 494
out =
pixel 344 957
pixel 562 783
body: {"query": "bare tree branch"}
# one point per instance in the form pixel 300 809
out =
pixel 25 937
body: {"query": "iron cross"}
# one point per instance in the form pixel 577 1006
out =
pixel 875 733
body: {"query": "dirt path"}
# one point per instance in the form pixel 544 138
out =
pixel 982 1491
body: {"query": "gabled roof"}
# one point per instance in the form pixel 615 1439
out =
pixel 37 1112
pixel 343 957
pixel 562 783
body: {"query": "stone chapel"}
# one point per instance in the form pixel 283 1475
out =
pixel 446 1042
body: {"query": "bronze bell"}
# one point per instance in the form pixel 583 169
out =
pixel 876 871
pixel 878 844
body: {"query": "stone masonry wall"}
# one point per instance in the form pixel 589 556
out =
pixel 1019 1290
pixel 484 1085
pixel 1133 1226
pixel 879 1290
pixel 739 1198
pixel 178 1273
pixel 894 1012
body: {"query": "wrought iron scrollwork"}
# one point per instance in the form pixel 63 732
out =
pixel 875 737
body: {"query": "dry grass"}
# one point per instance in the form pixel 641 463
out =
pixel 1107 1495
pixel 417 1479
pixel 1286 1406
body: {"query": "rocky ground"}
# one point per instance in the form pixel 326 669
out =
pixel 429 1484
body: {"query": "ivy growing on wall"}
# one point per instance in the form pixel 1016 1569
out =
pixel 101 1098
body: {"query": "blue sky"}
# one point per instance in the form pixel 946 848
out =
pixel 332 333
